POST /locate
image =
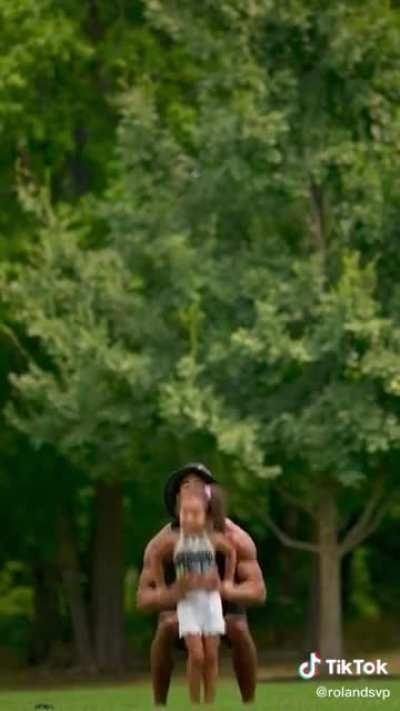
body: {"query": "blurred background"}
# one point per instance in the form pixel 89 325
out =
pixel 199 261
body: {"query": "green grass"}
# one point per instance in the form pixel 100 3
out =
pixel 292 696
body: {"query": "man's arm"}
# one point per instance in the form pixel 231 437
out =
pixel 152 593
pixel 250 588
pixel 222 544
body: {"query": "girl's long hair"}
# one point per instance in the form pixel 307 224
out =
pixel 217 507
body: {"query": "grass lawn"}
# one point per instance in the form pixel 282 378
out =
pixel 277 696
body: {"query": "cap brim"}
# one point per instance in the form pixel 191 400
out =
pixel 173 483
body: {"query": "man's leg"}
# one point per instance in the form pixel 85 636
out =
pixel 161 657
pixel 244 655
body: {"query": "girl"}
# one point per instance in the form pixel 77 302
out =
pixel 193 548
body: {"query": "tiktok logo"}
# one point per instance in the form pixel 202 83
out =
pixel 308 670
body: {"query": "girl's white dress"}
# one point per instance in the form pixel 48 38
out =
pixel 200 611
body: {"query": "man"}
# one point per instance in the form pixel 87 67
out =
pixel 249 589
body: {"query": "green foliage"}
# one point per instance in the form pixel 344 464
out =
pixel 93 388
pixel 298 371
pixel 240 296
pixel 16 606
pixel 362 593
pixel 15 598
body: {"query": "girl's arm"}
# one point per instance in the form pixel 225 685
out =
pixel 222 544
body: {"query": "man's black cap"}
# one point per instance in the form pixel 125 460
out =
pixel 173 483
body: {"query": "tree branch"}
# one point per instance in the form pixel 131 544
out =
pixel 288 540
pixel 369 529
pixel 297 503
pixel 379 514
pixel 7 331
pixel 367 521
pixel 318 206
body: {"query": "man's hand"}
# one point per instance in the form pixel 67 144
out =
pixel 187 582
pixel 228 589
pixel 196 581
pixel 210 581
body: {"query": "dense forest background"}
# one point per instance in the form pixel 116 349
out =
pixel 199 245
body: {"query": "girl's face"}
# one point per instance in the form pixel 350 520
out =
pixel 192 515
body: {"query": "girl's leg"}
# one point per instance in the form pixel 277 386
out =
pixel 211 647
pixel 195 665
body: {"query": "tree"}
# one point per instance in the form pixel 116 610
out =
pixel 62 68
pixel 65 143
pixel 91 393
pixel 287 199
pixel 246 198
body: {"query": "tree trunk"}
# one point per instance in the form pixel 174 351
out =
pixel 107 587
pixel 330 609
pixel 71 577
pixel 312 636
pixel 288 571
pixel 46 628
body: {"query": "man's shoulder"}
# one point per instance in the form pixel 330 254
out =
pixel 159 537
pixel 240 539
pixel 232 527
